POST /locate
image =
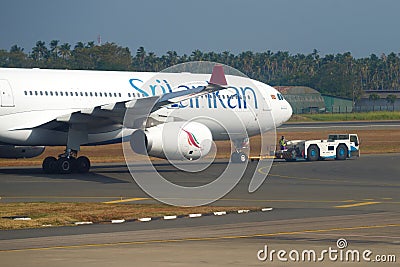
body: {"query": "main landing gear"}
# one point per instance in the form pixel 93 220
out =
pixel 66 163
pixel 239 156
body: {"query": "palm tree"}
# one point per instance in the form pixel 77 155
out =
pixel 226 57
pixel 79 45
pixel 40 51
pixel 172 58
pixel 196 55
pixel 184 58
pixel 16 49
pixel 65 51
pixel 151 62
pixel 140 58
pixel 17 58
pixel 90 44
pixel 54 48
pixel 339 74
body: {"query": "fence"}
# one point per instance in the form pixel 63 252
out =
pixel 328 109
pixel 345 109
pixel 368 108
pixel 313 103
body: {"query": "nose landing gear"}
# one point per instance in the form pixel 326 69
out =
pixel 239 156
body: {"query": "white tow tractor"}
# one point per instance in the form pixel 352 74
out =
pixel 337 146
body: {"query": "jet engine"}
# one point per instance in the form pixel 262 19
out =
pixel 173 140
pixel 17 152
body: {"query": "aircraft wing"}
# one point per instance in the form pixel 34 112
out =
pixel 217 82
pixel 139 109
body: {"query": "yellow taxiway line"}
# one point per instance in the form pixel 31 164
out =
pixel 357 204
pixel 207 238
pixel 125 200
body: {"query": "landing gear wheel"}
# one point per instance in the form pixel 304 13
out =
pixel 313 153
pixel 65 165
pixel 341 152
pixel 290 155
pixel 49 165
pixel 239 157
pixel 82 164
pixel 242 157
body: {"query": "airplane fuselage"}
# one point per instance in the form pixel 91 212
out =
pixel 36 102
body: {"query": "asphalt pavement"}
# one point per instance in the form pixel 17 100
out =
pixel 314 204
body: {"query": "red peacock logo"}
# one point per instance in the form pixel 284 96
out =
pixel 192 139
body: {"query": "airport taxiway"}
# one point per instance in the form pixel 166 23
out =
pixel 315 203
pixel 340 125
pixel 289 184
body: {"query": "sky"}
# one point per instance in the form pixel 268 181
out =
pixel 361 27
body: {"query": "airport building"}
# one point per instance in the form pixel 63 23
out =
pixel 380 104
pixel 307 100
pixel 303 99
pixel 334 104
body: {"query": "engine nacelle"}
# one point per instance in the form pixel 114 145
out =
pixel 18 152
pixel 173 140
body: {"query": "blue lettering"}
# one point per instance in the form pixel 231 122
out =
pixel 131 81
pixel 209 96
pixel 245 99
pixel 234 97
pixel 153 89
pixel 229 102
pixel 196 102
pixel 183 86
pixel 163 86
pixel 217 96
pixel 214 99
pixel 182 105
pixel 154 86
pixel 169 87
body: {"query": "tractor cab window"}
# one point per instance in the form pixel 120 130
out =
pixel 354 139
pixel 332 137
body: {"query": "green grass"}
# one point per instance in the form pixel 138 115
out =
pixel 362 116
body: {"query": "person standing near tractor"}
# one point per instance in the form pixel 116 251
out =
pixel 282 143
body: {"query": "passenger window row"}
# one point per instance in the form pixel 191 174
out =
pixel 225 96
pixel 82 94
pixel 108 94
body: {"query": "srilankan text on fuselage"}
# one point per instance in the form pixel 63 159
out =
pixel 236 99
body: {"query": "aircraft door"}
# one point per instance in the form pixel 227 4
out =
pixel 6 94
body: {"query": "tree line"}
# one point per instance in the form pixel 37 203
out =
pixel 338 75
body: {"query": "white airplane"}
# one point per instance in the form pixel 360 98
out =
pixel 75 108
